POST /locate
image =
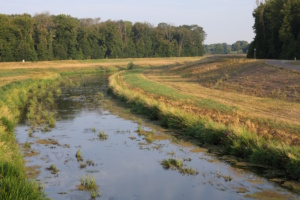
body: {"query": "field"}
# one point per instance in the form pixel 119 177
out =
pixel 250 108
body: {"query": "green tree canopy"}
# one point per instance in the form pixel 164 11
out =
pixel 277 29
pixel 48 37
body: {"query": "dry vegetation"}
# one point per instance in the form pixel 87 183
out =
pixel 257 90
pixel 19 71
pixel 249 108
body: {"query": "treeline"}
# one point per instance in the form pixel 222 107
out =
pixel 49 37
pixel 277 28
pixel 239 47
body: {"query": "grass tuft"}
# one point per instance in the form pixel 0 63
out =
pixel 79 155
pixel 102 136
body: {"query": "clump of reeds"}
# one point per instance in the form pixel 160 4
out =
pixel 53 169
pixel 88 183
pixel 175 164
pixel 172 163
pixel 82 165
pixel 95 194
pixel 90 162
pixel 148 135
pixel 27 145
pixel 102 136
pixel 79 155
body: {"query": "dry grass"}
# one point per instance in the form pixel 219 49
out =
pixel 47 142
pixel 106 63
pixel 240 78
pixel 47 69
pixel 258 140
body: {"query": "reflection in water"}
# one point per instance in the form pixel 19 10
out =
pixel 125 165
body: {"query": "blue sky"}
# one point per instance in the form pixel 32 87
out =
pixel 223 20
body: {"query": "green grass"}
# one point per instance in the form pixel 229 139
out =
pixel 33 97
pixel 16 72
pixel 95 194
pixel 27 145
pixel 148 135
pixel 13 182
pixel 170 163
pixel 14 98
pixel 73 72
pixel 175 164
pixel 135 78
pixel 88 183
pixel 234 140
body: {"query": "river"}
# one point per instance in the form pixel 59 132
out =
pixel 126 165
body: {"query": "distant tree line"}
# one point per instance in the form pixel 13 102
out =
pixel 49 37
pixel 239 47
pixel 277 29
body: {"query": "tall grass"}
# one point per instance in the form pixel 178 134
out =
pixel 35 98
pixel 235 140
pixel 13 182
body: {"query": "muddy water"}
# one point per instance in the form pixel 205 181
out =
pixel 125 165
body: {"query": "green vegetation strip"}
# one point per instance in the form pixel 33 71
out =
pixel 35 99
pixel 8 73
pixel 13 181
pixel 136 79
pixel 235 140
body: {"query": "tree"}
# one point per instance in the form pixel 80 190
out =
pixel 48 37
pixel 142 38
pixel 277 26
pixel 65 37
pixel 43 36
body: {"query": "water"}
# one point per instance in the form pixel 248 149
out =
pixel 126 166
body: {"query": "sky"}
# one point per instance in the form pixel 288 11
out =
pixel 223 20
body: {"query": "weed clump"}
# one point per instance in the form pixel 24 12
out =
pixel 148 135
pixel 172 163
pixel 53 169
pixel 130 66
pixel 8 124
pixel 175 164
pixel 90 162
pixel 27 145
pixel 102 136
pixel 82 165
pixel 95 194
pixel 30 133
pixel 79 155
pixel 87 183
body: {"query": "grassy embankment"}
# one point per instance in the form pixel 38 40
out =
pixel 24 87
pixel 214 101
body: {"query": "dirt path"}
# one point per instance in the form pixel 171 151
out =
pixel 284 64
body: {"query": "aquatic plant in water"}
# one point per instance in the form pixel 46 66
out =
pixel 175 164
pixel 102 136
pixel 79 155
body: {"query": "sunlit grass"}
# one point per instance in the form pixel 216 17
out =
pixel 136 79
pixel 236 139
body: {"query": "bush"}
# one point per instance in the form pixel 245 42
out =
pixel 130 66
pixel 8 124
